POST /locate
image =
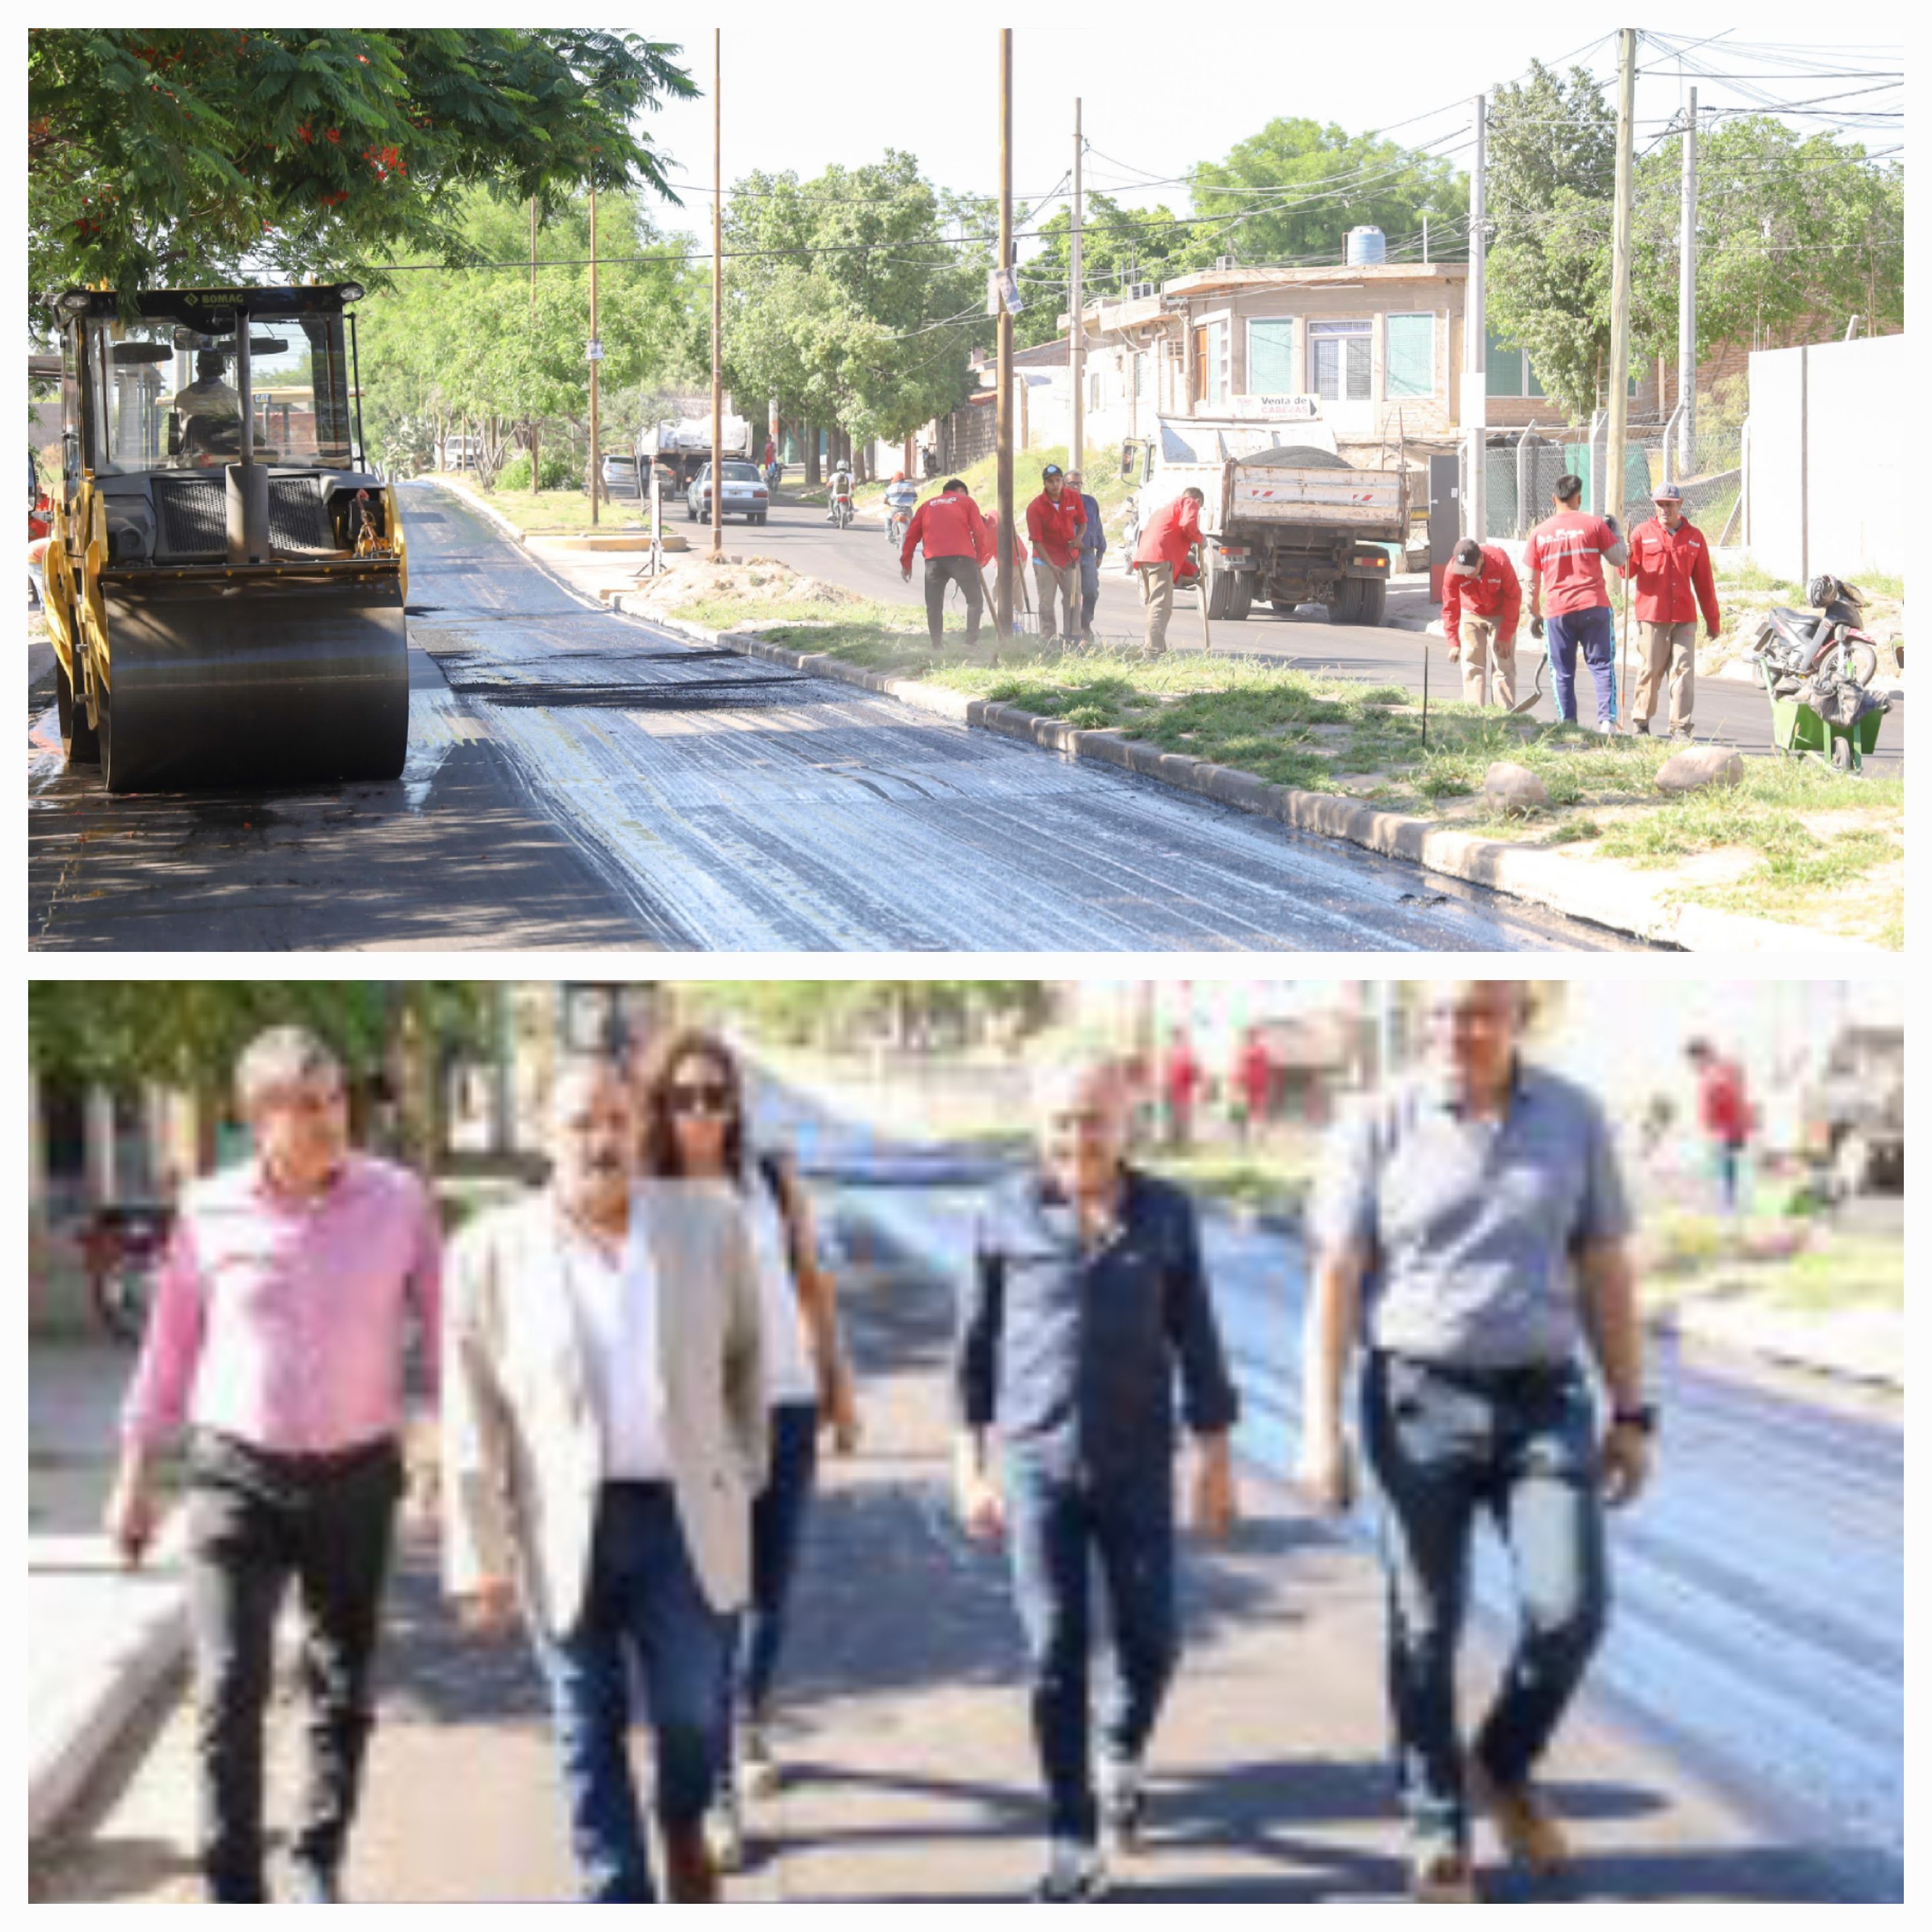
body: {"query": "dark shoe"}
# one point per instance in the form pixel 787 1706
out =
pixel 312 1885
pixel 1075 1874
pixel 1642 728
pixel 691 1872
pixel 1440 1875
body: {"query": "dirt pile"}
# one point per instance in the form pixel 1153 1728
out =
pixel 736 578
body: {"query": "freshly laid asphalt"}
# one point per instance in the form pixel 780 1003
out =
pixel 577 779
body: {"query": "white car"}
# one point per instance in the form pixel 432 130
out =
pixel 745 494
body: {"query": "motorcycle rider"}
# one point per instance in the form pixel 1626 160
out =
pixel 839 490
pixel 1671 562
pixel 900 496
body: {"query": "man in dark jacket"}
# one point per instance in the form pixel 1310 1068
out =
pixel 1088 1303
pixel 1093 548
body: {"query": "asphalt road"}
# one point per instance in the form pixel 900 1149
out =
pixel 1758 1630
pixel 577 779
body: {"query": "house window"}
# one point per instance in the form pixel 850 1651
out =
pixel 1271 357
pixel 1509 374
pixel 1210 362
pixel 1408 355
pixel 1339 359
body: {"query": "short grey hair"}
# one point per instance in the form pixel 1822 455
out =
pixel 284 1056
pixel 573 1070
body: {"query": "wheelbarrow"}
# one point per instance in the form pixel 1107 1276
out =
pixel 1800 731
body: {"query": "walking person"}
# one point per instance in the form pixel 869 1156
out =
pixel 1056 520
pixel 284 1308
pixel 1087 1305
pixel 1671 562
pixel 1092 548
pixel 1481 602
pixel 958 543
pixel 1181 1080
pixel 1564 560
pixel 1251 1086
pixel 605 1434
pixel 695 1128
pixel 1725 1117
pixel 1471 1225
pixel 1164 558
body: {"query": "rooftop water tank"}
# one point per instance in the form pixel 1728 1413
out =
pixel 1366 245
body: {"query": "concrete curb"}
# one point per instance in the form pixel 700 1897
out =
pixel 152 1642
pixel 1620 900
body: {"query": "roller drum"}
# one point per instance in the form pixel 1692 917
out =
pixel 280 680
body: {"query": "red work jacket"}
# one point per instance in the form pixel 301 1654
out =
pixel 948 526
pixel 1672 570
pixel 1493 592
pixel 1169 532
pixel 1055 528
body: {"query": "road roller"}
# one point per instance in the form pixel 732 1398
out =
pixel 227 578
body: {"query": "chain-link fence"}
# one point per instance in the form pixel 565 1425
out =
pixel 1521 467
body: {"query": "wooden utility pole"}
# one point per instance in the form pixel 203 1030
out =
pixel 1476 340
pixel 533 261
pixel 1610 496
pixel 1686 302
pixel 1002 596
pixel 1077 354
pixel 596 355
pixel 717 295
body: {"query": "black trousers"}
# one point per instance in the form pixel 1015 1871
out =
pixel 257 1521
pixel 941 570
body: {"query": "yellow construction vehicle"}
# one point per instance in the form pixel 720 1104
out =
pixel 226 582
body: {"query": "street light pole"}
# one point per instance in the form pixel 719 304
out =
pixel 596 350
pixel 1002 598
pixel 1686 302
pixel 1078 353
pixel 1610 495
pixel 717 295
pixel 1476 338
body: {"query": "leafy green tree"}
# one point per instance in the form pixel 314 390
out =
pixel 1552 182
pixel 1118 246
pixel 1295 189
pixel 160 155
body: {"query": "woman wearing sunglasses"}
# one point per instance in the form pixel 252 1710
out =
pixel 695 1128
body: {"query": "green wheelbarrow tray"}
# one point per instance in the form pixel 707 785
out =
pixel 1798 731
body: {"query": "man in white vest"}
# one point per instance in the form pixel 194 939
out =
pixel 604 1433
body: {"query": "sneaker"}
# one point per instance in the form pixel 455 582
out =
pixel 725 1835
pixel 1607 726
pixel 757 1767
pixel 312 1884
pixel 1441 1875
pixel 1642 728
pixel 1123 1794
pixel 1075 1875
pixel 1526 1822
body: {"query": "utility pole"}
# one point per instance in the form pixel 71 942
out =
pixel 1077 354
pixel 1476 344
pixel 596 357
pixel 533 261
pixel 1686 302
pixel 1002 590
pixel 1610 493
pixel 717 294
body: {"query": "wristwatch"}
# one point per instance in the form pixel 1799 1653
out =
pixel 1641 1417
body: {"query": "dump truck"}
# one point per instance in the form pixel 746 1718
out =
pixel 1285 517
pixel 227 580
pixel 680 446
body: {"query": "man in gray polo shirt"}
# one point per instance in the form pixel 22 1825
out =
pixel 1471 1226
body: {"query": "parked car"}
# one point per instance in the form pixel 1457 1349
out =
pixel 620 475
pixel 745 494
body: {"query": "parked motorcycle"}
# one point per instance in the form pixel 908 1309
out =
pixel 1796 645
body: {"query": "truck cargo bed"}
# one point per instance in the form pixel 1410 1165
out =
pixel 1351 499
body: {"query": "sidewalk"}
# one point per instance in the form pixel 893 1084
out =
pixel 101 1641
pixel 904 1727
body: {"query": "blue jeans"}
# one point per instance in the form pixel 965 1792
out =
pixel 1090 587
pixel 1592 630
pixel 1444 1446
pixel 643 1605
pixel 1059 1528
pixel 777 1526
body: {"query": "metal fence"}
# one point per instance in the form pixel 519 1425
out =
pixel 1521 467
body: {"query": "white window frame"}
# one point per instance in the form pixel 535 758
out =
pixel 1434 389
pixel 1222 319
pixel 1328 328
pixel 1292 323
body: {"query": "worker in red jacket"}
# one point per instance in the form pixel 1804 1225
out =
pixel 1671 562
pixel 1054 520
pixel 1725 1114
pixel 957 542
pixel 1164 557
pixel 1481 602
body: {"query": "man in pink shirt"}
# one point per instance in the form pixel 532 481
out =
pixel 278 1339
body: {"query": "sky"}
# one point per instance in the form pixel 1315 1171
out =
pixel 1160 92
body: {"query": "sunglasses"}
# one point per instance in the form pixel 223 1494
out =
pixel 706 1097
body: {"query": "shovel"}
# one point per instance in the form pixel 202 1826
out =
pixel 1530 702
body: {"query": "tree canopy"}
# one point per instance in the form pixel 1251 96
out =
pixel 1118 246
pixel 161 156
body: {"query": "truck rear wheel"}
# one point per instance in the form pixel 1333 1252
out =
pixel 1220 590
pixel 1241 597
pixel 1371 599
